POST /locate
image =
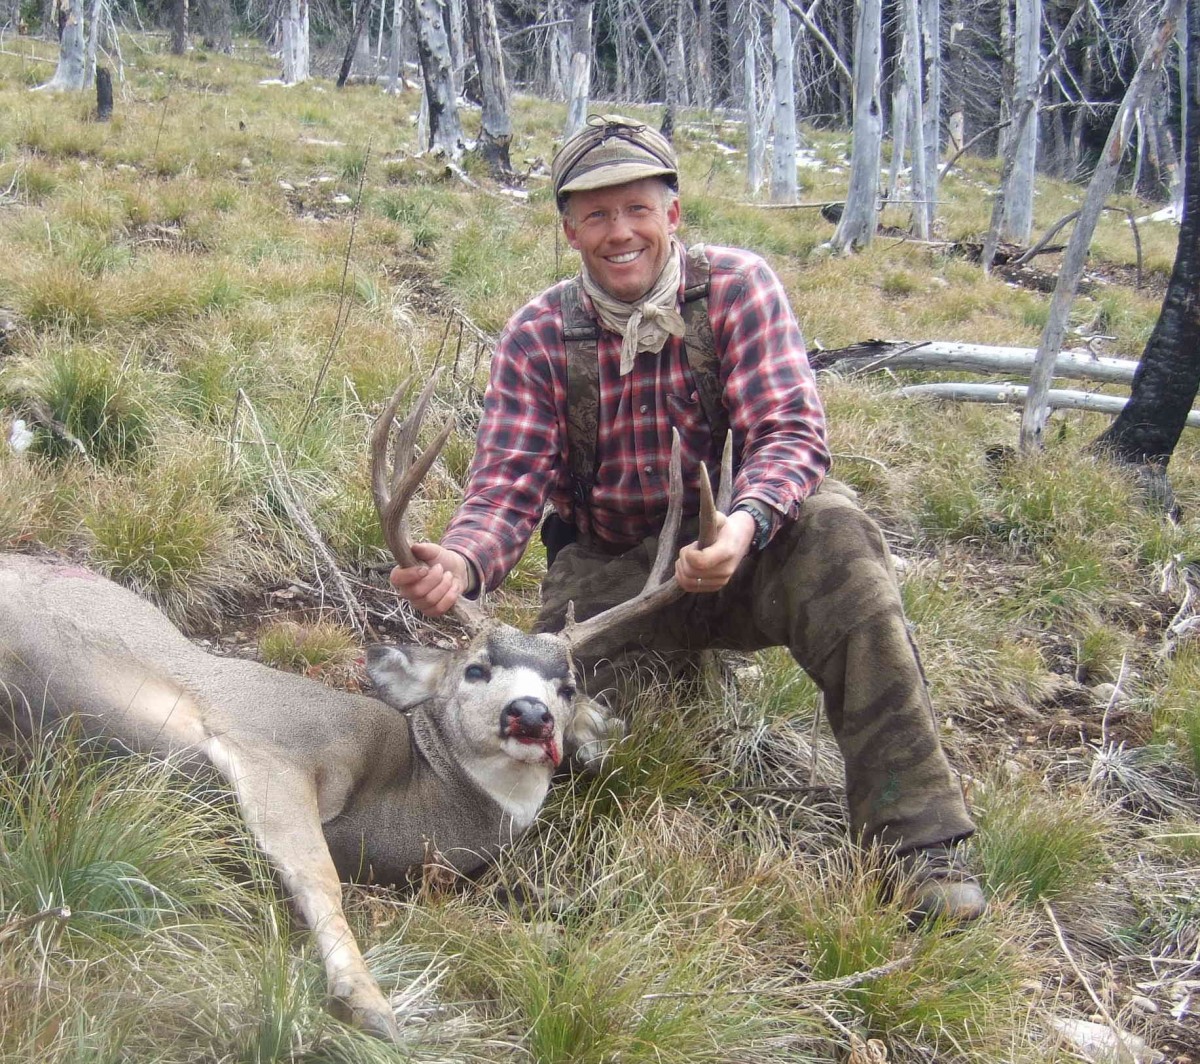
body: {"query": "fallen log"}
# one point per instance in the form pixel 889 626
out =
pixel 1014 395
pixel 1078 364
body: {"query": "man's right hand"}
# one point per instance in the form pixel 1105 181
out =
pixel 433 586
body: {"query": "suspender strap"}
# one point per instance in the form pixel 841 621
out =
pixel 581 335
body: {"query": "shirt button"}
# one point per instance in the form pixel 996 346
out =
pixel 642 408
pixel 649 469
pixel 695 396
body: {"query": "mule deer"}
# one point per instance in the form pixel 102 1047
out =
pixel 456 759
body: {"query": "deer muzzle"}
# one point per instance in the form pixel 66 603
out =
pixel 529 721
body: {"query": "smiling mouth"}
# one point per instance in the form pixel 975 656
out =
pixel 624 257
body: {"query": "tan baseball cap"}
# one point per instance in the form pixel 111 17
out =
pixel 611 150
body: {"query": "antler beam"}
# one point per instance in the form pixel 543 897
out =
pixel 393 489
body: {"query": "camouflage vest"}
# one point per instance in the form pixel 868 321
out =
pixel 581 335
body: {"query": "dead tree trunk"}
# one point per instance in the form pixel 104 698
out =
pixel 784 186
pixel 703 68
pixel 73 74
pixel 754 134
pixel 395 48
pixel 581 65
pixel 353 46
pixel 495 132
pixel 1168 375
pixel 1017 224
pixel 179 27
pixel 931 51
pixel 295 42
pixel 216 25
pixel 1033 420
pixel 857 224
pixel 916 103
pixel 433 50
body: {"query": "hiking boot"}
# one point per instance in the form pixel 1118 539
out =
pixel 937 883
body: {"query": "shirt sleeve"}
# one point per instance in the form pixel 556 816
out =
pixel 771 394
pixel 515 461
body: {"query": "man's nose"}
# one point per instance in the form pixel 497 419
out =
pixel 620 229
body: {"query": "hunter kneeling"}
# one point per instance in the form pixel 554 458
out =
pixel 587 383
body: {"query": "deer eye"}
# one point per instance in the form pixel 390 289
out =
pixel 566 692
pixel 476 673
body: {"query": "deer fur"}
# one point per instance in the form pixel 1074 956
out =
pixel 333 785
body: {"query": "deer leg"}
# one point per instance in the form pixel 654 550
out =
pixel 279 804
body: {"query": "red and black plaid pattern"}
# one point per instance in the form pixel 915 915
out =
pixel 780 453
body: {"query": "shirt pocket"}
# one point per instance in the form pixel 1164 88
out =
pixel 695 434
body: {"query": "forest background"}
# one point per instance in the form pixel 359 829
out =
pixel 205 299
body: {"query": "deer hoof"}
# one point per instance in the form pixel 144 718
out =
pixel 368 1010
pixel 590 737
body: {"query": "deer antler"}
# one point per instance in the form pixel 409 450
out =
pixel 659 589
pixel 393 489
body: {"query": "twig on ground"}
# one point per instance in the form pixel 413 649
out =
pixel 860 458
pixel 61 913
pixel 1101 1007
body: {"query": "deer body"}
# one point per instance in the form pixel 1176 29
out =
pixel 332 784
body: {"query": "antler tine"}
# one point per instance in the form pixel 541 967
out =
pixel 708 508
pixel 658 592
pixel 667 538
pixel 393 489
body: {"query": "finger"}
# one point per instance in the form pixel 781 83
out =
pixel 403 579
pixel 447 599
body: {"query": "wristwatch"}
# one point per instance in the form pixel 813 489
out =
pixel 764 521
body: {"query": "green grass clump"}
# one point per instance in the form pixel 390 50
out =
pixel 306 648
pixel 101 400
pixel 163 532
pixel 1038 847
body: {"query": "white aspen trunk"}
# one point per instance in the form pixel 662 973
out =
pixel 857 225
pixel 1008 100
pixel 900 95
pixel 1139 156
pixel 704 73
pixel 1184 82
pixel 393 67
pixel 457 51
pixel 580 73
pixel 784 185
pixel 1017 223
pixel 71 74
pixel 754 133
pixel 931 39
pixel 295 42
pixel 912 63
pixel 379 36
pixel 433 49
pixel 1033 419
pixel 93 37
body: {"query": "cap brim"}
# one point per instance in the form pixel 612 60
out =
pixel 620 174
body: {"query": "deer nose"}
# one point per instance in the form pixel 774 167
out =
pixel 527 715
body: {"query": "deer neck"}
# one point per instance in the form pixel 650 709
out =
pixel 517 788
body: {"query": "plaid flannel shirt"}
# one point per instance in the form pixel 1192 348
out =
pixel 780 452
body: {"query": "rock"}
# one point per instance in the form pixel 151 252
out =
pixel 1103 692
pixel 1101 1044
pixel 1143 1004
pixel 246 164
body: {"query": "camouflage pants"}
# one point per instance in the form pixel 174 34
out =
pixel 824 587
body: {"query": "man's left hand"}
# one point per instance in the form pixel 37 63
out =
pixel 709 569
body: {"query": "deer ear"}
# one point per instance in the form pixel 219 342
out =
pixel 404 676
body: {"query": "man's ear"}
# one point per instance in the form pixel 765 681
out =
pixel 673 214
pixel 570 231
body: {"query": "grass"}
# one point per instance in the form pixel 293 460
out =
pixel 169 292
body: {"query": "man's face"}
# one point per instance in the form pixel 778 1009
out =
pixel 624 234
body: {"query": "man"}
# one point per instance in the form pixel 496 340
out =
pixel 587 382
